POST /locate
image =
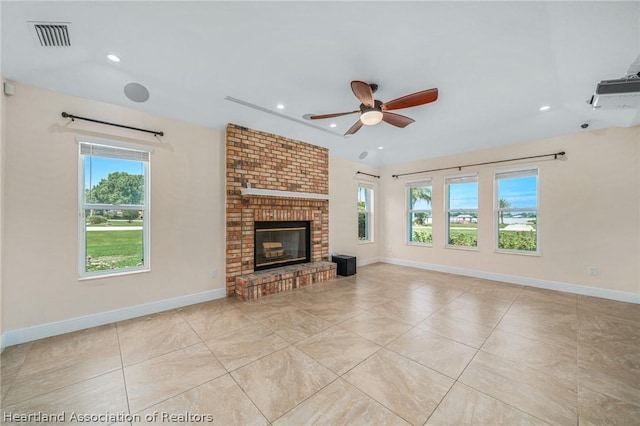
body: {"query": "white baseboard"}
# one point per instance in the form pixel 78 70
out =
pixel 515 279
pixel 369 261
pixel 28 334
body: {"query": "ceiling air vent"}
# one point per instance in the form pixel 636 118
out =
pixel 50 34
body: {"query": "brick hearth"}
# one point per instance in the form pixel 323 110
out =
pixel 271 281
pixel 272 162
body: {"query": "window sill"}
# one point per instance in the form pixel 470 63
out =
pixel 411 244
pixel 464 248
pixel 113 274
pixel 365 242
pixel 520 253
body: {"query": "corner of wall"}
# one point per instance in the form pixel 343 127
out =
pixel 2 181
pixel 343 223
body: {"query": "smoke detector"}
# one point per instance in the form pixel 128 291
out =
pixel 50 34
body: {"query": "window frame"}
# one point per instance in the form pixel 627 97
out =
pixel 369 211
pixel 511 173
pixel 409 231
pixel 83 274
pixel 469 177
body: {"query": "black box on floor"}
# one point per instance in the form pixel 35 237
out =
pixel 346 264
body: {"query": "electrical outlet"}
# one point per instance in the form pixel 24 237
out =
pixel 214 273
pixel 592 270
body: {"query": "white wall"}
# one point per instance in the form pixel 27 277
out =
pixel 40 200
pixel 589 213
pixel 343 210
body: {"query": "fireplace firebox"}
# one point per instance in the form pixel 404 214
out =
pixel 281 243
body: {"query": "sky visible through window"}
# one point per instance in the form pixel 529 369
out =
pixel 98 168
pixel 363 196
pixel 519 192
pixel 463 196
pixel 422 204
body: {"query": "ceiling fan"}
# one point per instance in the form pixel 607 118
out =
pixel 372 111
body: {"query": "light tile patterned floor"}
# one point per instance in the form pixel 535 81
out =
pixel 390 345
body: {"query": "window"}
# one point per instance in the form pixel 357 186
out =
pixel 419 212
pixel 517 210
pixel 365 213
pixel 114 209
pixel 462 211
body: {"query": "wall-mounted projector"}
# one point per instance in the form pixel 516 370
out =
pixel 623 93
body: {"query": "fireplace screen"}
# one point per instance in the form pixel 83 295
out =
pixel 281 243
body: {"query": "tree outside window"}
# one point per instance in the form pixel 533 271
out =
pixel 114 202
pixel 419 212
pixel 365 213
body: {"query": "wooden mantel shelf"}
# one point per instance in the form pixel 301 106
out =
pixel 256 192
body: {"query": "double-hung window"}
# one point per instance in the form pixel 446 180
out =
pixel 114 208
pixel 419 212
pixel 516 207
pixel 365 212
pixel 462 211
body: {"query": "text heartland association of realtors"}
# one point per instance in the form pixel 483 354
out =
pixel 73 417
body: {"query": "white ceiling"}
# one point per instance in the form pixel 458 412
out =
pixel 494 63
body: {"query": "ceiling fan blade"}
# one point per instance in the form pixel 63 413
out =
pixel 396 119
pixel 414 99
pixel 354 128
pixel 363 92
pixel 337 114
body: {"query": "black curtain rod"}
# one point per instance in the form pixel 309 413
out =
pixel 368 174
pixel 554 155
pixel 73 117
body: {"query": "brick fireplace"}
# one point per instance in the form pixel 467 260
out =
pixel 272 178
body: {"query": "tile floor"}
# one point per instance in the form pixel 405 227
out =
pixel 390 345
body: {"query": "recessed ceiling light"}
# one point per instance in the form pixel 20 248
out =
pixel 544 107
pixel 332 125
pixel 280 106
pixel 113 58
pixel 380 147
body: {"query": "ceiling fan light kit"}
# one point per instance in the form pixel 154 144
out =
pixel 371 117
pixel 373 111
